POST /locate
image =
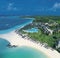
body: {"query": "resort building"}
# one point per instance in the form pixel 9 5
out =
pixel 58 46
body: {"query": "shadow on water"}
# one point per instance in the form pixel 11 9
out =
pixel 3 43
pixel 3 46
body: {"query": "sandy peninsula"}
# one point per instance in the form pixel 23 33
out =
pixel 16 39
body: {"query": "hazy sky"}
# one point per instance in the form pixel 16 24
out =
pixel 30 7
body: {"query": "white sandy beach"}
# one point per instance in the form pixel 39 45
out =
pixel 16 39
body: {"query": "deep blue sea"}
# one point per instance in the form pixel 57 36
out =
pixel 8 24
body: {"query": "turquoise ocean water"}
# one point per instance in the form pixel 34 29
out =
pixel 18 52
pixel 8 24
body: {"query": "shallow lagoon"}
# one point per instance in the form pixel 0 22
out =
pixel 18 52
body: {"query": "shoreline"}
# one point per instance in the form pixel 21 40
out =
pixel 16 39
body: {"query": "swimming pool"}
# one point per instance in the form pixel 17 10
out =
pixel 32 30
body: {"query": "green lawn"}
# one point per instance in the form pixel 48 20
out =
pixel 42 38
